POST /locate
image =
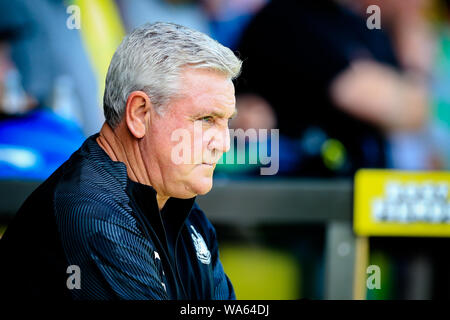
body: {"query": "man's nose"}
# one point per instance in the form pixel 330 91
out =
pixel 226 140
pixel 220 141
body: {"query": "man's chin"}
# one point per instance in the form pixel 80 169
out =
pixel 203 187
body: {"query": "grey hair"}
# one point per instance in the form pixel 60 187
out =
pixel 151 58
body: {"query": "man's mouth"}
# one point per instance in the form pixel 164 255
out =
pixel 208 164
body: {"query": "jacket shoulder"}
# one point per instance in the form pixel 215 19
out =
pixel 87 192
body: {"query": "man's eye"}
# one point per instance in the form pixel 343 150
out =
pixel 207 119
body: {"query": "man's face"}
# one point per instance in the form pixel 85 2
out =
pixel 197 123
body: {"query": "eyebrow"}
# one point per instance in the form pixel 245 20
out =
pixel 219 114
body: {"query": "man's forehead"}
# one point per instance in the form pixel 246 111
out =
pixel 223 111
pixel 222 104
pixel 205 91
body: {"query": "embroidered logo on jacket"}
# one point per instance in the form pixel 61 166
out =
pixel 203 253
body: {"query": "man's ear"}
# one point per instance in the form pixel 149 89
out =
pixel 137 112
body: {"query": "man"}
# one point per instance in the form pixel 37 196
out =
pixel 119 220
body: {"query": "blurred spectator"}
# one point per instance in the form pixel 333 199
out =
pixel 228 18
pixel 421 47
pixel 414 42
pixel 188 13
pixel 335 86
pixel 50 57
pixel 13 99
pixel 223 20
pixel 34 142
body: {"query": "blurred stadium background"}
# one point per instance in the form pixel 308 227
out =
pixel 344 97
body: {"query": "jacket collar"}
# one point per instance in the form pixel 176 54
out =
pixel 91 150
pixel 175 211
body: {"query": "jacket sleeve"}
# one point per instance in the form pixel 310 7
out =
pixel 115 260
pixel 223 289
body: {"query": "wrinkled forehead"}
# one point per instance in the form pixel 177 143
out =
pixel 208 92
pixel 222 104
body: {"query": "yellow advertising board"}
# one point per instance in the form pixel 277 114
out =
pixel 401 203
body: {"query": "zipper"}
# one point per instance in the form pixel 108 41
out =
pixel 176 249
pixel 177 276
pixel 176 259
pixel 145 229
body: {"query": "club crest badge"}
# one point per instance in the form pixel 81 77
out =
pixel 203 253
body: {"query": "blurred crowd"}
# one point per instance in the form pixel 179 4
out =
pixel 343 96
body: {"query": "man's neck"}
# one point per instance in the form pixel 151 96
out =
pixel 120 146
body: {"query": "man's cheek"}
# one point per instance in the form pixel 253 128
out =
pixel 197 144
pixel 181 149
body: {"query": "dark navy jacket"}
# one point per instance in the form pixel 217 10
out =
pixel 89 214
